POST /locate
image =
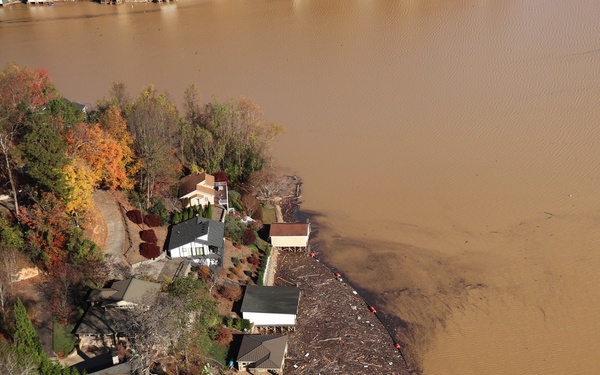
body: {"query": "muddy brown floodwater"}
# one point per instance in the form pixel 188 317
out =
pixel 449 148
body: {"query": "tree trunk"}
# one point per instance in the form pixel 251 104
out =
pixel 4 145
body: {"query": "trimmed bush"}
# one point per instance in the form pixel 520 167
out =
pixel 150 250
pixel 242 324
pixel 148 236
pixel 224 336
pixel 153 220
pixel 248 273
pixel 204 273
pixel 135 216
pixel 254 261
pixel 249 237
pixel 232 293
pixel 235 261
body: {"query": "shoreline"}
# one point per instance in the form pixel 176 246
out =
pixel 334 312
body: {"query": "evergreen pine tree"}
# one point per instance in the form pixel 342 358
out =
pixel 26 340
pixel 208 211
pixel 177 218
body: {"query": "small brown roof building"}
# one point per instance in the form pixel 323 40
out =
pixel 289 235
pixel 262 354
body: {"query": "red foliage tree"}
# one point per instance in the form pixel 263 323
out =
pixel 153 220
pixel 48 229
pixel 249 237
pixel 149 250
pixel 253 261
pixel 231 292
pixel 221 176
pixel 148 236
pixel 135 216
pixel 31 88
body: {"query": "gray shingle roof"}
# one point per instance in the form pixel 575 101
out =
pixel 271 299
pixel 266 352
pixel 130 290
pixel 187 231
pixel 97 321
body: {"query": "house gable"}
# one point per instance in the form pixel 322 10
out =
pixel 266 352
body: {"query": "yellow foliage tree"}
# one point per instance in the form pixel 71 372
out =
pixel 80 181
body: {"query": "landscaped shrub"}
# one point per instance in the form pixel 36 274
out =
pixel 234 229
pixel 148 236
pixel 224 336
pixel 231 292
pixel 135 216
pixel 149 250
pixel 177 217
pixel 256 224
pixel 248 273
pixel 254 261
pixel 249 237
pixel 159 209
pixel 242 324
pixel 204 273
pixel 153 220
pixel 235 261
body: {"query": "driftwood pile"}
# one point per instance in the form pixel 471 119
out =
pixel 336 331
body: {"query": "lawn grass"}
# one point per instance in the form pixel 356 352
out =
pixel 63 340
pixel 268 215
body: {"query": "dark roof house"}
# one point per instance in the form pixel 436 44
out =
pixel 110 305
pixel 262 353
pixel 271 305
pixel 124 292
pixel 198 238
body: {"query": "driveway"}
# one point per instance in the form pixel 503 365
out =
pixel 115 240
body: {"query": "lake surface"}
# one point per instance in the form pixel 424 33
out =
pixel 449 149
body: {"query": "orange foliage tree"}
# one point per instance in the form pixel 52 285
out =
pixel 101 152
pixel 113 123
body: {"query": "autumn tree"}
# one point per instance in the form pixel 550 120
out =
pixel 101 152
pixel 22 91
pixel 48 230
pixel 153 121
pixel 233 137
pixel 79 183
pixel 114 124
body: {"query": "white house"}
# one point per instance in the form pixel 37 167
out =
pixel 271 306
pixel 289 235
pixel 198 238
pixel 198 189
